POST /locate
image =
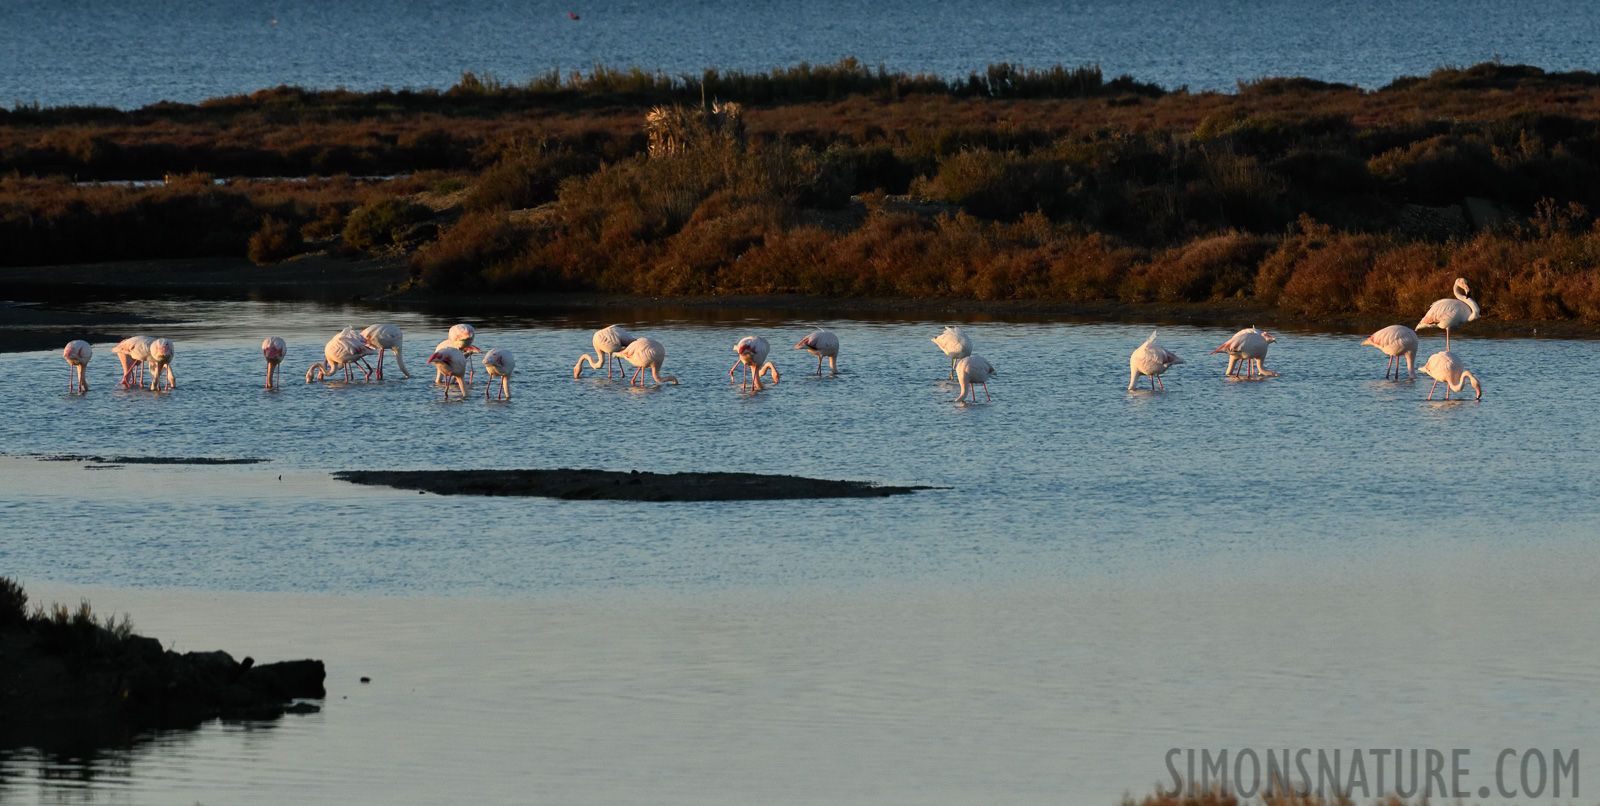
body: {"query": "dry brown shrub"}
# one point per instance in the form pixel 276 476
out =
pixel 1328 280
pixel 275 242
pixel 1396 270
pixel 1215 267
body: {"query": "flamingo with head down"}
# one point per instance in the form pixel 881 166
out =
pixel 161 353
pixel 1150 359
pixel 649 353
pixel 1396 341
pixel 1449 313
pixel 752 352
pixel 77 354
pixel 1250 346
pixel 499 364
pixel 452 363
pixel 390 338
pixel 133 352
pixel 955 346
pixel 972 372
pixel 608 342
pixel 1446 368
pixel 822 343
pixel 343 351
pixel 460 337
pixel 273 350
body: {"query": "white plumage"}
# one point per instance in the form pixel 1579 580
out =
pixel 342 352
pixel 452 363
pixel 1446 368
pixel 1250 346
pixel 133 352
pixel 752 352
pixel 273 349
pixel 1151 359
pixel 1396 341
pixel 161 352
pixel 77 354
pixel 972 372
pixel 822 344
pixel 642 353
pixel 499 364
pixel 608 342
pixel 955 345
pixel 387 337
pixel 1449 313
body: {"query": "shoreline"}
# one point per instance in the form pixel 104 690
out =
pixel 44 301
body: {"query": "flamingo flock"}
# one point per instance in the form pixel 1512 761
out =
pixel 348 352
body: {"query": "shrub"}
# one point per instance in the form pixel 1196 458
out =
pixel 479 242
pixel 13 603
pixel 274 242
pixel 527 177
pixel 373 225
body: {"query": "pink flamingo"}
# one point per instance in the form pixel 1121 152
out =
pixel 822 343
pixel 386 337
pixel 342 351
pixel 452 363
pixel 608 342
pixel 752 351
pixel 77 355
pixel 161 359
pixel 1446 368
pixel 1396 341
pixel 1250 346
pixel 647 353
pixel 272 349
pixel 133 352
pixel 499 364
pixel 1449 313
pixel 460 337
pixel 972 372
pixel 1151 359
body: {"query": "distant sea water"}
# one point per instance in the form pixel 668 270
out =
pixel 127 54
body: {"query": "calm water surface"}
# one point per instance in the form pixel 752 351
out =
pixel 102 52
pixel 1322 559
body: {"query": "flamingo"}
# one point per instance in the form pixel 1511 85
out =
pixel 1446 368
pixel 608 341
pixel 386 337
pixel 752 351
pixel 956 345
pixel 133 352
pixel 272 349
pixel 822 343
pixel 499 364
pixel 77 355
pixel 972 372
pixel 452 363
pixel 342 352
pixel 1396 341
pixel 1250 346
pixel 161 359
pixel 647 353
pixel 1449 313
pixel 1150 359
pixel 460 337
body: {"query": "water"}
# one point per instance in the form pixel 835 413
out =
pixel 130 54
pixel 1322 559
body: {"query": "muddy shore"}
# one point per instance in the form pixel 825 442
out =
pixel 55 290
pixel 607 485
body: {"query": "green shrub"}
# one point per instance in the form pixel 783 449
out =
pixel 373 225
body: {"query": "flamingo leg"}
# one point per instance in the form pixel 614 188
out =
pixel 1156 378
pixel 1447 340
pixel 833 365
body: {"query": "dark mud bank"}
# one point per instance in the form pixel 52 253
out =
pixel 609 485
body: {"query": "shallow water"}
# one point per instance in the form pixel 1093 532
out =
pixel 130 54
pixel 1319 559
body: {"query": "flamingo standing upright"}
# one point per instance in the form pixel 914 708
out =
pixel 1250 346
pixel 133 352
pixel 1449 313
pixel 77 354
pixel 343 351
pixel 460 337
pixel 1396 341
pixel 1150 359
pixel 822 343
pixel 161 353
pixel 387 337
pixel 752 352
pixel 972 372
pixel 644 353
pixel 499 364
pixel 608 342
pixel 452 363
pixel 956 346
pixel 273 349
pixel 1447 369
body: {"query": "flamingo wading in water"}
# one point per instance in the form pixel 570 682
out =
pixel 1396 341
pixel 387 337
pixel 1150 359
pixel 459 337
pixel 342 351
pixel 752 351
pixel 1250 346
pixel 972 372
pixel 161 359
pixel 608 342
pixel 822 343
pixel 647 353
pixel 452 363
pixel 133 352
pixel 499 364
pixel 956 346
pixel 77 354
pixel 273 349
pixel 1450 313
pixel 1447 369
